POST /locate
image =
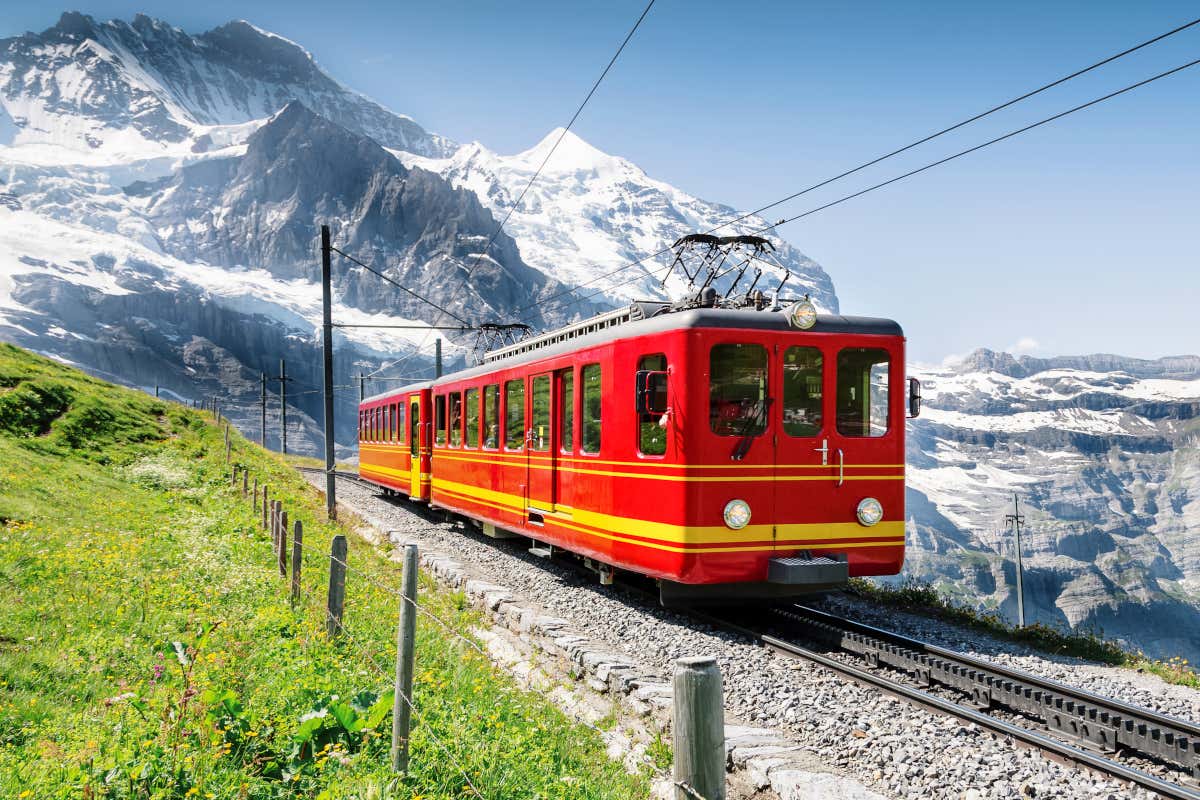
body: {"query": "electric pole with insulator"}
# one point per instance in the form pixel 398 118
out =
pixel 362 385
pixel 262 437
pixel 327 369
pixel 437 358
pixel 1014 521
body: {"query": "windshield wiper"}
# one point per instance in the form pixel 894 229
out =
pixel 747 431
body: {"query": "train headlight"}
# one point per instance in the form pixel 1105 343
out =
pixel 737 514
pixel 869 511
pixel 802 315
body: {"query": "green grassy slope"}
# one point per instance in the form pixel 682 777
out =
pixel 148 648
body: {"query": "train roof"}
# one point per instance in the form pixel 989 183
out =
pixel 623 324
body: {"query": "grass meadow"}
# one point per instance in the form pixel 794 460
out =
pixel 148 647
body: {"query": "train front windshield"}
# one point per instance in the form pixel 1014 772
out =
pixel 741 392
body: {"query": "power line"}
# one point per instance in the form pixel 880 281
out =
pixel 491 240
pixel 542 303
pixel 399 286
pixel 988 143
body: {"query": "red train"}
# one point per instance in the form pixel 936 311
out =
pixel 727 453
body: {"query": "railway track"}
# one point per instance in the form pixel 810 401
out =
pixel 1068 724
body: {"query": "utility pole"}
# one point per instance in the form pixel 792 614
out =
pixel 327 368
pixel 1015 520
pixel 156 389
pixel 437 358
pixel 362 385
pixel 282 407
pixel 262 437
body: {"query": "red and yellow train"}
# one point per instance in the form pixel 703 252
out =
pixel 727 453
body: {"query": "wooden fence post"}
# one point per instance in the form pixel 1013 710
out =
pixel 232 474
pixel 699 729
pixel 276 509
pixel 254 502
pixel 297 556
pixel 245 482
pixel 406 631
pixel 283 543
pixel 336 598
pixel 264 507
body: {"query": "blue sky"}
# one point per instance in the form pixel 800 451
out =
pixel 1079 237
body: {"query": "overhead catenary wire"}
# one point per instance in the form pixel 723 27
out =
pixel 933 164
pixel 566 295
pixel 537 173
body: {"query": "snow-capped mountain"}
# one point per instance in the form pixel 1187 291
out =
pixel 103 92
pixel 1103 454
pixel 590 213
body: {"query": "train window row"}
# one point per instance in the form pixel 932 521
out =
pixel 740 398
pixel 382 424
pixel 475 417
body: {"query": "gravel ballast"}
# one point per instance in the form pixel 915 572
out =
pixel 888 745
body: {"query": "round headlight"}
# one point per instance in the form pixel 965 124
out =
pixel 803 315
pixel 869 511
pixel 737 514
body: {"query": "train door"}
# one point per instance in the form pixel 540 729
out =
pixel 742 402
pixel 414 446
pixel 539 450
pixel 806 459
pixel 563 444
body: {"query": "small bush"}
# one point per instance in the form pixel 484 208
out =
pixel 158 471
pixel 30 408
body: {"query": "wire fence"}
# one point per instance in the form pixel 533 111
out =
pixel 294 557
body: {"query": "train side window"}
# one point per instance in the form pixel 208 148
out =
pixel 402 411
pixel 456 419
pixel 439 419
pixel 491 416
pixel 589 376
pixel 360 425
pixel 566 419
pixel 862 392
pixel 392 422
pixel 472 415
pixel 374 422
pixel 514 414
pixel 803 376
pixel 387 423
pixel 737 394
pixel 652 428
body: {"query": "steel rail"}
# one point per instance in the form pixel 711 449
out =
pixel 1079 716
pixel 1181 727
pixel 1039 741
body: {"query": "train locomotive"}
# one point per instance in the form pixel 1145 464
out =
pixel 728 450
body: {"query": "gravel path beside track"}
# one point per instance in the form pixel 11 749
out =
pixel 899 750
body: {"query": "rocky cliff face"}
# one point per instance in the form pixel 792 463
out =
pixel 261 208
pixel 1103 455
